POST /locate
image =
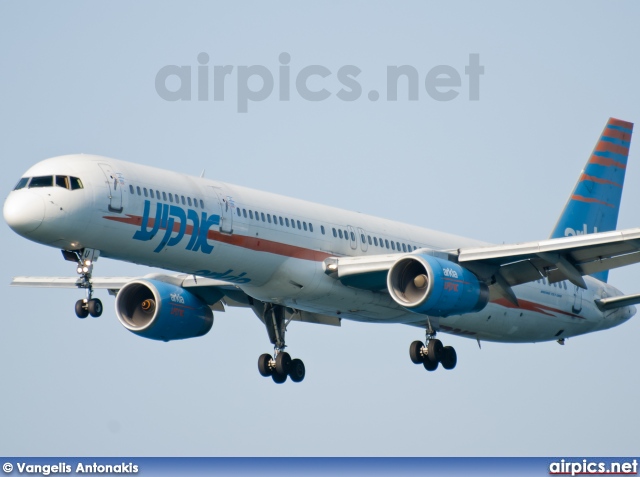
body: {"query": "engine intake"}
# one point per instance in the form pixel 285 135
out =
pixel 433 286
pixel 161 311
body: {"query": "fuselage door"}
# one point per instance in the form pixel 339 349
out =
pixel 363 240
pixel 115 182
pixel 227 207
pixel 353 239
pixel 577 300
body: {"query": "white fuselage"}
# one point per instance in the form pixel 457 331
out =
pixel 272 247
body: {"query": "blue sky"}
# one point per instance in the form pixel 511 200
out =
pixel 80 77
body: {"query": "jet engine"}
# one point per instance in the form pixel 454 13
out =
pixel 161 311
pixel 433 286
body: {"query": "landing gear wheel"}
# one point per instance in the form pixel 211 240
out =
pixel 429 365
pixel 434 350
pixel 283 361
pixel 94 306
pixel 81 311
pixel 415 349
pixel 263 365
pixel 449 357
pixel 278 378
pixel 296 370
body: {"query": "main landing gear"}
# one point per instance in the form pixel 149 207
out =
pixel 433 353
pixel 280 366
pixel 85 259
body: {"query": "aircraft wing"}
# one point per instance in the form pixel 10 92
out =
pixel 566 258
pixel 504 266
pixel 207 289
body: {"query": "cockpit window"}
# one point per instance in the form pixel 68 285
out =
pixel 22 183
pixel 62 181
pixel 76 183
pixel 69 183
pixel 41 181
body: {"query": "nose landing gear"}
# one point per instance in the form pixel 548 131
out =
pixel 85 260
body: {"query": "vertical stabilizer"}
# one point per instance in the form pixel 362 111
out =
pixel 595 201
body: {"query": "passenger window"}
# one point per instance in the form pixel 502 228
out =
pixel 189 201
pixel 164 196
pixel 157 194
pixel 299 226
pixel 201 204
pixel 22 183
pixel 145 192
pixel 322 229
pixel 62 181
pixel 334 232
pixel 131 189
pixel 340 232
pixel 310 227
pixel 269 218
pixel 393 247
pixel 184 202
pixel 304 224
pixel 404 247
pixel 251 215
pixel 138 189
pixel 244 213
pixel 346 235
pixel 170 197
pixel 262 215
pixel 286 221
pixel 375 241
pixel 398 246
pixel 238 210
pixel 151 193
pixel 362 238
pixel 353 237
pixel 386 242
pixel 281 221
pixel 369 239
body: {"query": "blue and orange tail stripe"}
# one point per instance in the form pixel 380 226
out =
pixel 595 201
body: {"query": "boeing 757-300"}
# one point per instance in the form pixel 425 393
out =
pixel 288 259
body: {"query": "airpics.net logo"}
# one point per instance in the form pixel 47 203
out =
pixel 255 83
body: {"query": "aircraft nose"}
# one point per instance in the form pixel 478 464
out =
pixel 24 211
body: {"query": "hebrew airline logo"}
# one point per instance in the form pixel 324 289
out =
pixel 450 286
pixel 173 220
pixel 568 232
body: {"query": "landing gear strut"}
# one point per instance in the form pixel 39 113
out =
pixel 280 366
pixel 433 354
pixel 85 259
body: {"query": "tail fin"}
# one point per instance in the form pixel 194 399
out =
pixel 595 201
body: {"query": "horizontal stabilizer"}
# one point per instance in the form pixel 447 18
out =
pixel 612 303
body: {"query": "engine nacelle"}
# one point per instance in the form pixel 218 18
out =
pixel 433 286
pixel 161 311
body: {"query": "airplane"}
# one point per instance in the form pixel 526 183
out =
pixel 292 260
